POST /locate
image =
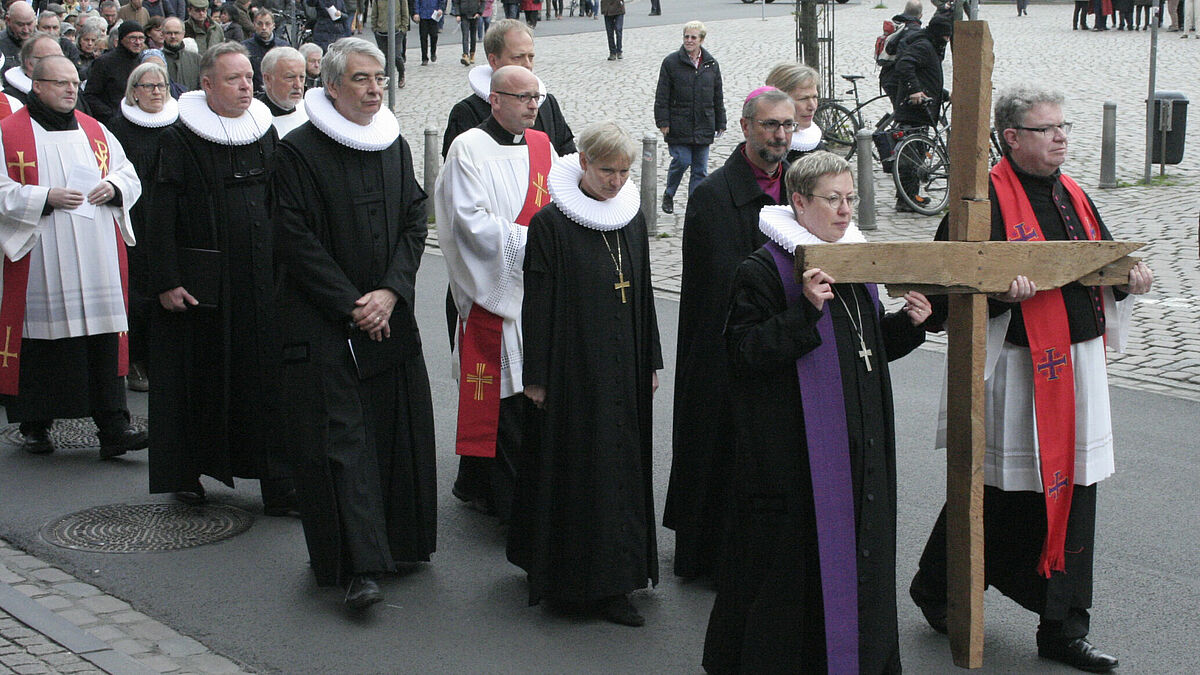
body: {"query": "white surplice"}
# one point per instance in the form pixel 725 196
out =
pixel 74 274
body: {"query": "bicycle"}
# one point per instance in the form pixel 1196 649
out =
pixel 839 124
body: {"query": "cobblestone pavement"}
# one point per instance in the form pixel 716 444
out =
pixel 51 622
pixel 1164 352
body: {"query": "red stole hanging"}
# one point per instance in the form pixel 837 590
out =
pixel 20 156
pixel 5 107
pixel 479 337
pixel 1049 334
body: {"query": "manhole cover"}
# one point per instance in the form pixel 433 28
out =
pixel 140 528
pixel 78 433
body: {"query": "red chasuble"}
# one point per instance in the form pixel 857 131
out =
pixel 20 156
pixel 1049 334
pixel 479 336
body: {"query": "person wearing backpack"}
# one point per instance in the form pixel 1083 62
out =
pixel 887 45
pixel 919 85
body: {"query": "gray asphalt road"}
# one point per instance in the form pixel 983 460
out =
pixel 253 599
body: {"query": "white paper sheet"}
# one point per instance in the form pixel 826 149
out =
pixel 83 177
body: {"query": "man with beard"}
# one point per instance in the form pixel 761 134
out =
pixel 20 23
pixel 214 343
pixel 110 73
pixel 283 81
pixel 719 231
pixel 182 65
pixel 357 408
pixel 262 42
pixel 18 82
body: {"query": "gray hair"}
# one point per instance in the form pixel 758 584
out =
pixel 28 46
pixel 136 77
pixel 93 25
pixel 333 65
pixel 309 48
pixel 278 54
pixel 497 34
pixel 697 26
pixel 787 76
pixel 1014 103
pixel 209 60
pixel 913 8
pixel 802 176
pixel 110 3
pixel 606 140
pixel 750 108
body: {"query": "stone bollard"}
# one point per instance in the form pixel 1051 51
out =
pixel 866 181
pixel 650 183
pixel 433 159
pixel 1108 146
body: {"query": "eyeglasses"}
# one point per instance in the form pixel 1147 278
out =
pixel 1064 128
pixel 152 86
pixel 135 37
pixel 523 98
pixel 771 126
pixel 835 200
pixel 61 84
pixel 363 78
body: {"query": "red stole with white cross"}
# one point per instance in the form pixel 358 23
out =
pixel 20 156
pixel 480 336
pixel 1045 316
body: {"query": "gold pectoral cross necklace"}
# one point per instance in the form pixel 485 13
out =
pixel 621 284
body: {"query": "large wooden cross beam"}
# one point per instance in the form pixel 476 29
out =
pixel 967 268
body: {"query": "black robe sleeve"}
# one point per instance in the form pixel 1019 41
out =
pixel 400 276
pixel 761 337
pixel 537 308
pixel 166 208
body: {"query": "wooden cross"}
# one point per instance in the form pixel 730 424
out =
pixel 6 354
pixel 479 379
pixel 967 268
pixel 621 285
pixel 21 164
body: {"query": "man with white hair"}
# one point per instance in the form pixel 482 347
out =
pixel 283 83
pixel 357 409
pixel 19 25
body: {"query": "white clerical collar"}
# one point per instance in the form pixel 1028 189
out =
pixel 605 216
pixel 18 79
pixel 378 135
pixel 480 78
pixel 243 130
pixel 808 139
pixel 780 226
pixel 162 118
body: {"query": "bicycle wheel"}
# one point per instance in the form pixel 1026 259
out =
pixel 922 174
pixel 837 128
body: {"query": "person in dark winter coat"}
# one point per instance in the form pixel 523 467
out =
pixel 110 73
pixel 920 87
pixel 263 41
pixel 333 22
pixel 689 109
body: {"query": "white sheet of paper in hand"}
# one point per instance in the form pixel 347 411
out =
pixel 83 177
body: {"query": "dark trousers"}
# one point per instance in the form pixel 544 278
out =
pixel 512 10
pixel 614 25
pixel 381 39
pixel 468 28
pixel 493 479
pixel 69 378
pixel 655 8
pixel 531 16
pixel 1098 10
pixel 684 156
pixel 1079 18
pixel 429 37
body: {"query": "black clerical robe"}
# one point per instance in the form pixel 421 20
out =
pixel 768 614
pixel 472 111
pixel 215 397
pixel 583 522
pixel 719 231
pixel 348 222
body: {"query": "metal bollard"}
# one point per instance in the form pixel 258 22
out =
pixel 1108 146
pixel 650 182
pixel 433 158
pixel 866 181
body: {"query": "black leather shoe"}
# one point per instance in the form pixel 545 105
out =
pixel 129 438
pixel 362 592
pixel 37 442
pixel 193 496
pixel 618 609
pixel 934 613
pixel 1077 653
pixel 668 205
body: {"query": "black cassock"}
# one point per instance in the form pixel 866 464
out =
pixel 348 222
pixel 583 518
pixel 214 402
pixel 768 616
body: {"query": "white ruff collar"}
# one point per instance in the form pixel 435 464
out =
pixel 162 118
pixel 378 135
pixel 780 226
pixel 17 78
pixel 480 78
pixel 806 139
pixel 242 130
pixel 605 216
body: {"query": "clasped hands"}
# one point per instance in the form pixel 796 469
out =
pixel 62 198
pixel 372 311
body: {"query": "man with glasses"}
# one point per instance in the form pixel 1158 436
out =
pixel 493 181
pixel 18 82
pixel 214 340
pixel 358 416
pixel 19 23
pixel 183 65
pixel 719 231
pixel 110 72
pixel 63 331
pixel 1051 441
pixel 283 83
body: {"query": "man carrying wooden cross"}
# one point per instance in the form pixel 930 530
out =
pixel 1049 435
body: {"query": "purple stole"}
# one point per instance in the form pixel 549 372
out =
pixel 820 377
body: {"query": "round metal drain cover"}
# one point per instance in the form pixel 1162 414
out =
pixel 77 433
pixel 140 528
